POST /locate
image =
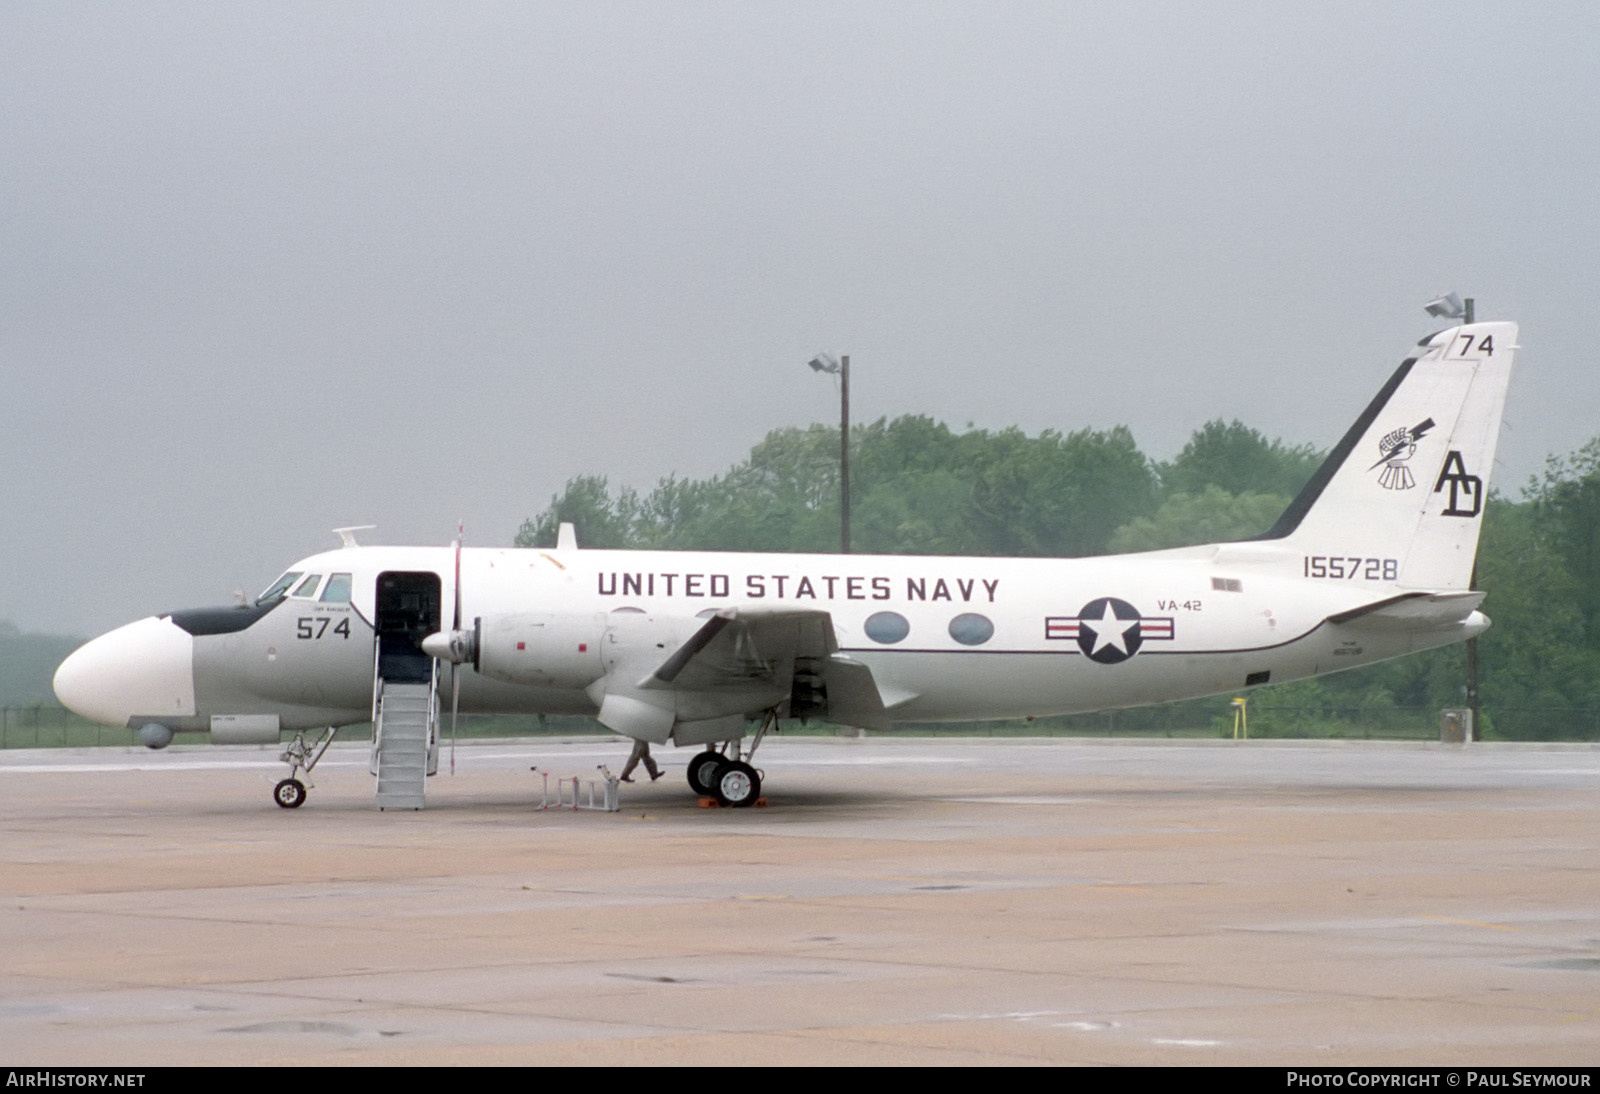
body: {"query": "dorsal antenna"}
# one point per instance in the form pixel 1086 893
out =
pixel 347 536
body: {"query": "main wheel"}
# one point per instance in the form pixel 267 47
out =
pixel 737 784
pixel 703 771
pixel 290 793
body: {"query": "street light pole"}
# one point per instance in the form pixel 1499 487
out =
pixel 1472 643
pixel 1452 307
pixel 823 362
pixel 844 454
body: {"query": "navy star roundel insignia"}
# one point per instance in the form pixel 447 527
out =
pixel 1108 630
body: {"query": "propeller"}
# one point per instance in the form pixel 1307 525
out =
pixel 455 629
pixel 453 646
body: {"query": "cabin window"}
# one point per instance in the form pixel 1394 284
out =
pixel 887 627
pixel 971 629
pixel 279 587
pixel 308 587
pixel 338 590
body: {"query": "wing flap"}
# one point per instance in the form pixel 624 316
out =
pixel 735 664
pixel 674 665
pixel 853 697
pixel 740 646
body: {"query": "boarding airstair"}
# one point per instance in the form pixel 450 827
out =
pixel 405 688
pixel 405 742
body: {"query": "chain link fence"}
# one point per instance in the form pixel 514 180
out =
pixel 49 726
pixel 45 726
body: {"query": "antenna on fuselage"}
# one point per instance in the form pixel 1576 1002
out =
pixel 347 536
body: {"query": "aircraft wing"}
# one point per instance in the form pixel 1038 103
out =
pixel 743 660
pixel 737 646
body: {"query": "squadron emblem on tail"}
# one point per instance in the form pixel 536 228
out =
pixel 1398 446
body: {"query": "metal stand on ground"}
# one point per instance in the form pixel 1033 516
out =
pixel 609 796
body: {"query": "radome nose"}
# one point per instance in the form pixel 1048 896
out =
pixel 144 670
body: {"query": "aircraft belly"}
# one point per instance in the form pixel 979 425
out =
pixel 481 695
pixel 961 687
pixel 1350 645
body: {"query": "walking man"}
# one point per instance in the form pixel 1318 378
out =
pixel 641 751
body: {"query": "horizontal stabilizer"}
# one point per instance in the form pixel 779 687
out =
pixel 1414 611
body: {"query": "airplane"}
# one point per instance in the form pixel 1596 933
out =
pixel 712 650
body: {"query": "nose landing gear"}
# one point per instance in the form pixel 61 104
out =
pixel 291 793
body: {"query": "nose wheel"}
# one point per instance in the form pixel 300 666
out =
pixel 290 793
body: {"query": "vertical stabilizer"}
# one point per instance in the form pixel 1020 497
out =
pixel 1405 489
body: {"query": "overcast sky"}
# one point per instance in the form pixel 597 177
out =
pixel 273 268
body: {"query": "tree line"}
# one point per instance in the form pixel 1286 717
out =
pixel 919 487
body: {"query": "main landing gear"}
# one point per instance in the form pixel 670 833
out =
pixel 291 793
pixel 726 774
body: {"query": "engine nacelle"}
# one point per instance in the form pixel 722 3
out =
pixel 541 649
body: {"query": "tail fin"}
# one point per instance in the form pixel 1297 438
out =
pixel 1406 486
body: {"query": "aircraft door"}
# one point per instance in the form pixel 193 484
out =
pixel 407 611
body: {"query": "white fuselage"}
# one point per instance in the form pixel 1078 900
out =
pixel 946 639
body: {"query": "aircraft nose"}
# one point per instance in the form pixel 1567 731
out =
pixel 142 671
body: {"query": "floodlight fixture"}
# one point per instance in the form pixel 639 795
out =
pixel 1448 306
pixel 826 362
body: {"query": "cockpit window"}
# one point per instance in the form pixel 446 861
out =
pixel 308 587
pixel 279 587
pixel 338 590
